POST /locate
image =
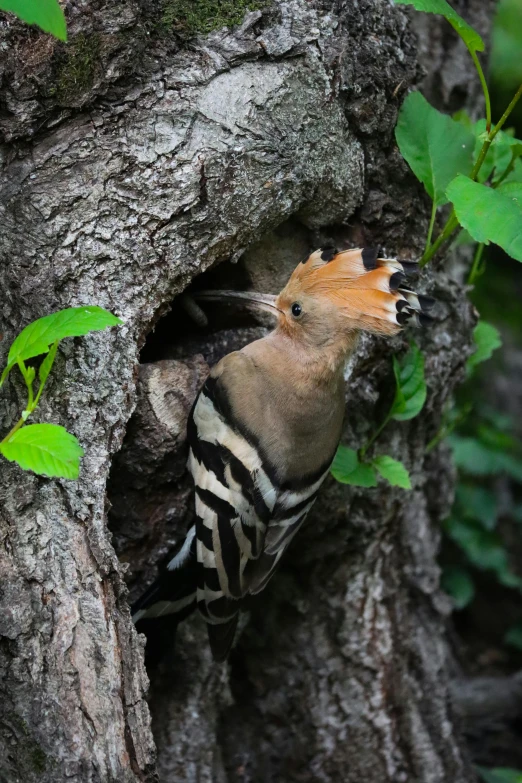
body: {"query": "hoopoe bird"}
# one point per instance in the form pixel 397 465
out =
pixel 265 427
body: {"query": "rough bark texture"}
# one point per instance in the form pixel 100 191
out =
pixel 120 183
pixel 490 709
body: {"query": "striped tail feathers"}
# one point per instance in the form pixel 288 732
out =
pixel 184 585
pixel 371 291
pixel 174 592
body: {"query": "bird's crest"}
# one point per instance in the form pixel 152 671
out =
pixel 370 291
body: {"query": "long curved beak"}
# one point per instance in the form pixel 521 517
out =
pixel 265 302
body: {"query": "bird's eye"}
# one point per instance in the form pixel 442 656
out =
pixel 296 309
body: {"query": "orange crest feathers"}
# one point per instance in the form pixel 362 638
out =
pixel 368 290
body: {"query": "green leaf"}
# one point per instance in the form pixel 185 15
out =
pixel 480 459
pixel 410 394
pixel 435 146
pixel 393 471
pixel 515 175
pixel 347 469
pixel 483 548
pixel 505 60
pixel 513 636
pixel 500 775
pixel 46 449
pixel 476 502
pixel 47 14
pixel 502 421
pixel 72 322
pixel 458 584
pixel 496 438
pixel 473 457
pixel 489 215
pixel 46 365
pixel 512 465
pixel 513 190
pixel 502 151
pixel 470 37
pixel 463 117
pixel 487 339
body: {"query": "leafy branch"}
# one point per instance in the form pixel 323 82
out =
pixel 352 467
pixel 482 446
pixel 47 449
pixel 471 38
pixel 477 168
pixel 469 165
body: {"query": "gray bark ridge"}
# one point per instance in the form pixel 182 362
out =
pixel 187 163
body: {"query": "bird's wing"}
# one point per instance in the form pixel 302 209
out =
pixel 290 511
pixel 246 513
pixel 235 500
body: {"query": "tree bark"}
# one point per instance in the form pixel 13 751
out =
pixel 131 163
pixel 490 711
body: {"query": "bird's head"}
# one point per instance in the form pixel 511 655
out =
pixel 331 296
pixel 348 292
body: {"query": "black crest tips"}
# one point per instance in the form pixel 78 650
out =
pixel 403 318
pixel 410 267
pixel 426 302
pixel 396 280
pixel 369 257
pixel 328 252
pixel 425 320
pixel 401 304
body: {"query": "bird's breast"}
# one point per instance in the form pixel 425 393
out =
pixel 297 427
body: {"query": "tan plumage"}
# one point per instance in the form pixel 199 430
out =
pixel 265 427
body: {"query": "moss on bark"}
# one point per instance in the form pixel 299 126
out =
pixel 77 71
pixel 203 16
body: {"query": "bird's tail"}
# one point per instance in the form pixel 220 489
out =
pixel 174 592
pixel 221 637
pixel 174 595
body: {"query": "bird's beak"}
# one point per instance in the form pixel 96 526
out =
pixel 265 302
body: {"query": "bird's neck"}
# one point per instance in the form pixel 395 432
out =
pixel 320 364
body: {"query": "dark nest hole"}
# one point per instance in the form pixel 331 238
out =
pixel 178 335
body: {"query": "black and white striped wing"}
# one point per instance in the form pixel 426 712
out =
pixel 289 513
pixel 245 518
pixel 235 500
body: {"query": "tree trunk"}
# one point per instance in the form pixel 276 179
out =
pixel 134 160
